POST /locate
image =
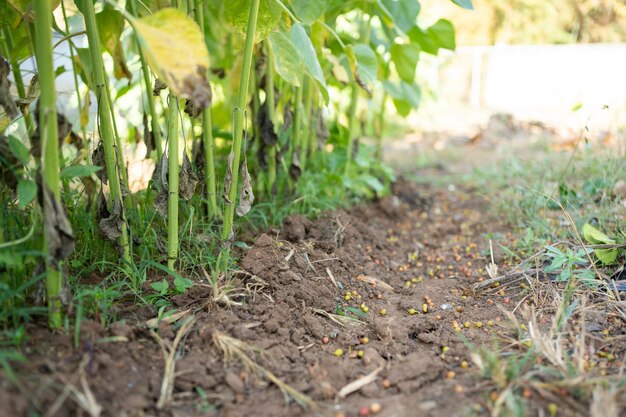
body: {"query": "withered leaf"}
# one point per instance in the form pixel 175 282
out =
pixel 192 110
pixel 295 169
pixel 322 130
pixel 160 184
pixel 267 134
pixel 9 164
pixel 31 95
pixel 287 117
pixel 229 176
pixel 97 158
pixel 188 180
pixel 148 136
pixel 64 127
pixel 113 225
pixel 246 196
pixel 159 86
pixel 6 101
pixel 57 228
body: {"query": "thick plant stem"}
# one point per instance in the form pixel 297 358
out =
pixel 381 129
pixel 209 158
pixel 354 124
pixel 229 207
pixel 145 72
pixel 49 143
pixel 296 133
pixel 271 111
pixel 207 137
pixel 172 179
pixel 306 121
pixel 104 112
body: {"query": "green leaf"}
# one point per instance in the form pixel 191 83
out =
pixel 405 59
pixel 160 286
pixel 75 171
pixel 309 10
pixel 443 34
pixel 363 63
pixel 466 4
pixel 607 256
pixel 594 236
pixel 374 183
pixel 287 61
pixel 303 45
pixel 439 35
pixel 19 149
pixel 405 96
pixel 82 65
pixel 182 284
pixel 237 12
pixel 110 26
pixel 26 192
pixel 403 12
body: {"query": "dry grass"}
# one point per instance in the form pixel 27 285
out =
pixel 235 349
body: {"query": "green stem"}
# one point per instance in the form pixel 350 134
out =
pixel 354 101
pixel 83 129
pixel 353 124
pixel 104 112
pixel 173 169
pixel 306 121
pixel 145 71
pixel 229 208
pixel 49 143
pixel 271 111
pixel 296 133
pixel 381 129
pixel 207 137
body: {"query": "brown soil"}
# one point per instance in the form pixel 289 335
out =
pixel 435 236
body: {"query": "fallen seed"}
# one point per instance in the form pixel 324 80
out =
pixel 376 408
pixel 412 311
pixel 383 311
pixel 339 352
pixel 325 340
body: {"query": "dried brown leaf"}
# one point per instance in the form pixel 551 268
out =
pixel 246 196
pixel 6 101
pixel 113 224
pixel 229 176
pixel 188 180
pixel 57 228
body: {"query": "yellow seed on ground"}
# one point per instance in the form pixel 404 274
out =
pixel 376 408
pixel 408 284
pixel 553 409
pixel 364 308
pixel 478 324
pixel 339 352
pixel 467 324
pixel 445 349
pixel 528 343
pixel 383 311
pixel 490 323
pixel 463 297
pixel 464 365
pixel 347 297
pixel 523 326
pixel 386 383
pixel 414 280
pixel 365 340
pixel 412 311
pixel 354 293
pixel 425 308
pixel 359 354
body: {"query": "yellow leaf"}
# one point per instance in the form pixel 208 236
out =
pixel 175 48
